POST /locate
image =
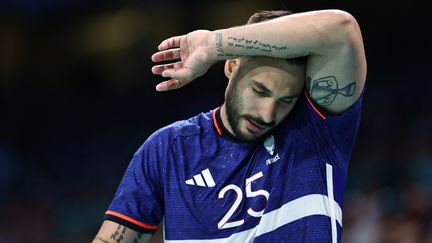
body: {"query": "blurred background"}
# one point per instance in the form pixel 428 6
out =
pixel 77 99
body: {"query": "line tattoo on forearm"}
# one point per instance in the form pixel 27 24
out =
pixel 219 46
pixel 243 43
pixel 324 90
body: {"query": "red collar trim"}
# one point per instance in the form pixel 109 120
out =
pixel 218 130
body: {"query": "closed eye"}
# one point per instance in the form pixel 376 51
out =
pixel 286 101
pixel 259 92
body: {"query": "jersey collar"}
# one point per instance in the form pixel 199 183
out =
pixel 219 126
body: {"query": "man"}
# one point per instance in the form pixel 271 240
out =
pixel 270 164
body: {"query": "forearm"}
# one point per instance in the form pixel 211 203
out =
pixel 303 34
pixel 331 40
pixel 112 232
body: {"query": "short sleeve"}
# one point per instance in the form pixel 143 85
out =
pixel 137 203
pixel 334 135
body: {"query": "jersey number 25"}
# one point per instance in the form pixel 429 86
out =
pixel 223 223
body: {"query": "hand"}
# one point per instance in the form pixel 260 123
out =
pixel 195 56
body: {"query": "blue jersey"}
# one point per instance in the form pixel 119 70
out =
pixel 205 187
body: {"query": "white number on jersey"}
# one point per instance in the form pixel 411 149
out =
pixel 223 223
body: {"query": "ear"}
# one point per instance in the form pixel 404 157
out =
pixel 231 66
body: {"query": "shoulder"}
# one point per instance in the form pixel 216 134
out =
pixel 307 108
pixel 155 149
pixel 193 126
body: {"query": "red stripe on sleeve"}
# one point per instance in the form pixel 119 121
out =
pixel 313 106
pixel 119 215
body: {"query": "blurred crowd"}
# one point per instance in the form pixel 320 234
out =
pixel 77 99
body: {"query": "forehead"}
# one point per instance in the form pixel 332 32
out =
pixel 277 75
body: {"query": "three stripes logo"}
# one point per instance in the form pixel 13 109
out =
pixel 204 179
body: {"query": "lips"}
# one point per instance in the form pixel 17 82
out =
pixel 253 127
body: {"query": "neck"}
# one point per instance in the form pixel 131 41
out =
pixel 224 118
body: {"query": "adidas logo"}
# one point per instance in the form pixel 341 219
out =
pixel 204 179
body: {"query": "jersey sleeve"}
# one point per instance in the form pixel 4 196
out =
pixel 137 203
pixel 334 135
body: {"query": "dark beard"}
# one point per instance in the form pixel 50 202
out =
pixel 233 106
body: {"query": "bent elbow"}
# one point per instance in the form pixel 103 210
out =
pixel 347 26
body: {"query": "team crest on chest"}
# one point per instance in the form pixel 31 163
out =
pixel 269 145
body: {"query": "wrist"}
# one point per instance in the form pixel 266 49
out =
pixel 220 50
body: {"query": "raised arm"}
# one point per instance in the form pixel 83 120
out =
pixel 336 66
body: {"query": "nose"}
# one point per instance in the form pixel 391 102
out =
pixel 267 110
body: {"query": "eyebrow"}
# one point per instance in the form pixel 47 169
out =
pixel 265 89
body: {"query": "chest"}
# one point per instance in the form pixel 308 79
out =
pixel 229 190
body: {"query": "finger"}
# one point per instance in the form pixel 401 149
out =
pixel 159 69
pixel 171 84
pixel 170 43
pixel 181 73
pixel 166 55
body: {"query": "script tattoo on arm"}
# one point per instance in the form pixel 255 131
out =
pixel 118 235
pixel 220 50
pixel 324 90
pixel 243 43
pixel 235 42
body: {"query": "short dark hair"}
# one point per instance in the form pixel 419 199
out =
pixel 265 15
